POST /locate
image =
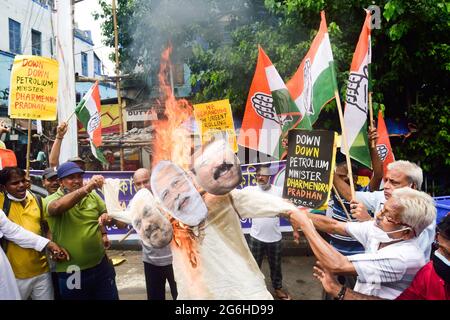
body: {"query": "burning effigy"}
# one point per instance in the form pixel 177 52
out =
pixel 195 193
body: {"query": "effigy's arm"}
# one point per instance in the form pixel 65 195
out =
pixel 255 204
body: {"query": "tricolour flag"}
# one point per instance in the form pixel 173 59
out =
pixel 356 103
pixel 88 112
pixel 270 111
pixel 314 83
pixel 383 144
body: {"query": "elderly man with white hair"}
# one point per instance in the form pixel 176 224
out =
pixel 392 255
pixel 399 174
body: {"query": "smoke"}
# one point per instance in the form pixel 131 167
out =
pixel 183 23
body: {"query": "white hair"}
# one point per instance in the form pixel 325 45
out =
pixel 419 209
pixel 410 169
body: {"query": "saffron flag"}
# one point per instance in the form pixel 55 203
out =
pixel 356 103
pixel 7 158
pixel 383 144
pixel 314 83
pixel 270 111
pixel 88 112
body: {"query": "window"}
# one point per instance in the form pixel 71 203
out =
pixel 36 45
pixel 14 37
pixel 84 64
pixel 97 65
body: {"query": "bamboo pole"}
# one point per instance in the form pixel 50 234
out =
pixel 119 98
pixel 127 235
pixel 28 148
pixel 371 117
pixel 341 203
pixel 344 143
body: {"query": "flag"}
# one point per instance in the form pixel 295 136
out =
pixel 88 112
pixel 269 112
pixel 314 83
pixel 383 144
pixel 7 158
pixel 356 103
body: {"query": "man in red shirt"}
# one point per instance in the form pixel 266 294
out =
pixel 432 282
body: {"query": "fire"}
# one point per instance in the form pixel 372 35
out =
pixel 172 140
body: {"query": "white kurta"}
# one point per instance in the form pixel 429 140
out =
pixel 226 268
pixel 23 238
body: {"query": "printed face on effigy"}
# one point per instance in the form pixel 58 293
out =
pixel 171 185
pixel 217 169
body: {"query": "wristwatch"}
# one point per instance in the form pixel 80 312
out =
pixel 341 294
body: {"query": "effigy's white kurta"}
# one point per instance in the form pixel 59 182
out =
pixel 226 268
pixel 23 238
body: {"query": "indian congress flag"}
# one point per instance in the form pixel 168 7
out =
pixel 88 112
pixel 356 103
pixel 270 111
pixel 314 83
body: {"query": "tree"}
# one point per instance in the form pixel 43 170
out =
pixel 411 55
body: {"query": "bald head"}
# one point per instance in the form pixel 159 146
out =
pixel 141 179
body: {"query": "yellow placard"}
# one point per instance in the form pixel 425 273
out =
pixel 34 88
pixel 214 117
pixel 110 118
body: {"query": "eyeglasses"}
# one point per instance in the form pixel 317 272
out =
pixel 382 214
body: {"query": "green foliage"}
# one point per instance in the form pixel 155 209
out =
pixel 410 55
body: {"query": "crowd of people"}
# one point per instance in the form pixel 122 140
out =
pixel 381 244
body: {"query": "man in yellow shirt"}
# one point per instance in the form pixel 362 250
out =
pixel 30 267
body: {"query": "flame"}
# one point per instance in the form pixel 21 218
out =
pixel 172 140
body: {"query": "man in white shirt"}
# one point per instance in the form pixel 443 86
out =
pixel 400 174
pixel 265 234
pixel 392 255
pixel 24 239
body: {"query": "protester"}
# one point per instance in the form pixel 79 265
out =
pixel 211 260
pixel 400 174
pixel 24 208
pixel 73 213
pixel 432 282
pixel 61 130
pixel 50 180
pixel 157 260
pixel 392 255
pixel 265 234
pixel 27 240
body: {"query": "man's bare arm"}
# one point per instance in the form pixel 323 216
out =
pixel 53 158
pixel 324 252
pixel 377 164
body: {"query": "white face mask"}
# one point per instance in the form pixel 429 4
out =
pixel 442 258
pixel 383 236
pixel 12 198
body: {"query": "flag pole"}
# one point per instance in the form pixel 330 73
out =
pixel 342 203
pixel 28 148
pixel 371 117
pixel 344 143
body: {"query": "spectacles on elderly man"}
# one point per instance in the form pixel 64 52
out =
pixel 382 214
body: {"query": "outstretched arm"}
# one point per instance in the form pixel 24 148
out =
pixel 61 205
pixel 56 148
pixel 377 164
pixel 332 287
pixel 324 252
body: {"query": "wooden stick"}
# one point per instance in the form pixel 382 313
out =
pixel 342 203
pixel 28 148
pixel 127 235
pixel 371 117
pixel 344 143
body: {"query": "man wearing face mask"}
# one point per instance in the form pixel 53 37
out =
pixel 265 234
pixel 400 174
pixel 23 208
pixel 392 255
pixel 432 282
